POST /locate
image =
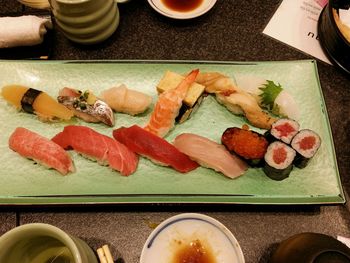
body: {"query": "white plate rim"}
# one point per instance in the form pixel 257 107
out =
pixel 178 15
pixel 191 216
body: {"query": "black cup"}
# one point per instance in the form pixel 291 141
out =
pixel 333 42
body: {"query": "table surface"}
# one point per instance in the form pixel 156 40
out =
pixel 231 31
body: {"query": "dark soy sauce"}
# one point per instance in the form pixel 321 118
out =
pixel 182 5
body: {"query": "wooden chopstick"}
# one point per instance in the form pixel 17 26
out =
pixel 104 254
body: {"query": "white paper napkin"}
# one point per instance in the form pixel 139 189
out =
pixel 23 30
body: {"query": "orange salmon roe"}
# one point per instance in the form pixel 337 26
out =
pixel 246 143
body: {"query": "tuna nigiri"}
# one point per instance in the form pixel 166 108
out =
pixel 168 105
pixel 210 154
pixel 155 148
pixel 103 149
pixel 35 101
pixel 40 149
pixel 122 99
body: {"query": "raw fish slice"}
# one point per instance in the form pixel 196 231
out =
pixel 40 149
pixel 168 105
pixel 86 106
pixel 153 147
pixel 99 147
pixel 210 154
pixel 122 99
pixel 35 101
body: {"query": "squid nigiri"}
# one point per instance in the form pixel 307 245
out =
pixel 270 95
pixel 40 149
pixel 210 154
pixel 103 149
pixel 168 105
pixel 35 101
pixel 155 148
pixel 122 99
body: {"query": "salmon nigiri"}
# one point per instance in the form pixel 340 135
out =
pixel 97 146
pixel 168 105
pixel 40 149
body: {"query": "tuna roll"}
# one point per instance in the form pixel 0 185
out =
pixel 306 144
pixel 283 130
pixel 279 159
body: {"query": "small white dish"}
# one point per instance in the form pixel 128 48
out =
pixel 201 9
pixel 179 232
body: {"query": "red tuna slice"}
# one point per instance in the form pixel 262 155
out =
pixel 155 148
pixel 103 149
pixel 40 149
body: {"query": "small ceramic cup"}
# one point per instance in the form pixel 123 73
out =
pixel 39 242
pixel 86 21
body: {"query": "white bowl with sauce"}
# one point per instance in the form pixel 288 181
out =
pixel 182 9
pixel 191 235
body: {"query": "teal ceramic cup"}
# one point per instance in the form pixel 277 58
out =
pixel 42 243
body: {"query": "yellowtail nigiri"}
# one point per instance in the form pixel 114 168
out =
pixel 35 101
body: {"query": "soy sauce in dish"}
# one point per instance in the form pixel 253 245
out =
pixel 182 5
pixel 193 252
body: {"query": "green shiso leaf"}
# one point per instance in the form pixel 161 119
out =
pixel 269 93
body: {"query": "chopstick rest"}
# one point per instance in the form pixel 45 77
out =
pixel 23 30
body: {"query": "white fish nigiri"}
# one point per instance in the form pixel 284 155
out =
pixel 269 95
pixel 122 99
pixel 210 154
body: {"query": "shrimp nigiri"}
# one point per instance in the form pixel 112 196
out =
pixel 168 105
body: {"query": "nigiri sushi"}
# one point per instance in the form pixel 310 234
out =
pixel 122 99
pixel 155 148
pixel 103 149
pixel 40 149
pixel 86 106
pixel 35 101
pixel 191 102
pixel 235 99
pixel 270 95
pixel 210 154
pixel 168 105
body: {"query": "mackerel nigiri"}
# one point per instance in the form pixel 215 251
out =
pixel 210 154
pixel 86 106
pixel 35 101
pixel 155 148
pixel 94 145
pixel 40 149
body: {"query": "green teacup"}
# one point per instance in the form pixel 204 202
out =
pixel 86 21
pixel 43 243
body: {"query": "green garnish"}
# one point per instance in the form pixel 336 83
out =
pixel 269 93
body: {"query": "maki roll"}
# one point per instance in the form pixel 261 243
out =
pixel 249 145
pixel 283 130
pixel 279 159
pixel 306 143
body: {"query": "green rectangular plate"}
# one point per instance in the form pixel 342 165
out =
pixel 25 183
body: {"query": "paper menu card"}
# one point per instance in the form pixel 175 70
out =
pixel 295 23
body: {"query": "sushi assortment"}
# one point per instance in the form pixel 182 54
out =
pixel 281 148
